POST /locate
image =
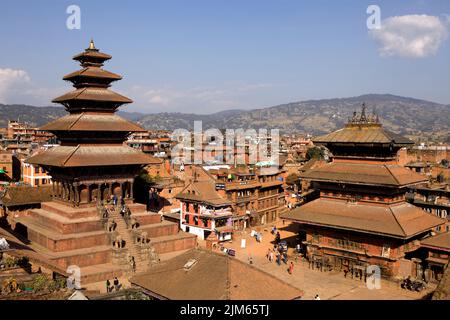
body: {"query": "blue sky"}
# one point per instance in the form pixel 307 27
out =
pixel 205 55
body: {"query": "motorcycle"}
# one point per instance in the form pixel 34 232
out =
pixel 413 285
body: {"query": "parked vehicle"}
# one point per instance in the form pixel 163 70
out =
pixel 413 285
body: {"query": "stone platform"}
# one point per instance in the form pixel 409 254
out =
pixel 67 236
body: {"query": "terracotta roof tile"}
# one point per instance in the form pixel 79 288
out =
pixel 92 122
pixel 214 277
pixel 82 155
pixel 93 72
pixel 441 241
pixel 392 175
pixel 373 133
pixel 15 196
pixel 93 94
pixel 397 220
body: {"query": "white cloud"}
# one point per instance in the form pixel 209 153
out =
pixel 414 36
pixel 12 81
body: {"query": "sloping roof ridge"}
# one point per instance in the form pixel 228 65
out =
pixel 390 172
pixel 208 174
pixel 396 220
pixel 77 119
pixel 70 155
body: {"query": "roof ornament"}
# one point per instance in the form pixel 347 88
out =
pixel 363 118
pixel 355 117
pixel 92 46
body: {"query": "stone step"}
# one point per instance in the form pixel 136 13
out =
pixel 147 218
pixel 161 229
pixel 79 257
pixel 63 224
pixel 100 272
pixel 69 211
pixel 57 242
pixel 177 242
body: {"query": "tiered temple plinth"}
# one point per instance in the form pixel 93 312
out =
pixel 66 236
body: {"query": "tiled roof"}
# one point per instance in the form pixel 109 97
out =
pixel 93 94
pixel 441 241
pixel 202 191
pixel 370 133
pixel 397 220
pixel 82 155
pixel 360 173
pixel 215 276
pixel 89 122
pixel 92 54
pixel 93 72
pixel 15 196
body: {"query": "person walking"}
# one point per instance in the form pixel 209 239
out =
pixel 291 267
pixel 133 264
pixel 116 284
pixel 285 257
pixel 278 258
pixel 271 256
pixel 108 285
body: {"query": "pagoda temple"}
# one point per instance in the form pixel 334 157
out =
pixel 361 217
pixel 81 226
pixel 92 161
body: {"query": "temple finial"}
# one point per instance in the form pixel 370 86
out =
pixel 92 45
pixel 363 118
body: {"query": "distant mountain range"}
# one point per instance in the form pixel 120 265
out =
pixel 408 116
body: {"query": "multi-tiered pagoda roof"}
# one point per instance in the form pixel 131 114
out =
pixel 91 134
pixel 363 187
pixel 92 161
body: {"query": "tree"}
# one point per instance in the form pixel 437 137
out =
pixel 292 179
pixel 315 153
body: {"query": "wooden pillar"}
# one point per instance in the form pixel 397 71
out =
pixel 99 191
pixel 77 195
pixel 63 190
pixel 58 190
pixel 131 190
pixel 89 192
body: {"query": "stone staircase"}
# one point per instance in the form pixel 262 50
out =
pixel 126 234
